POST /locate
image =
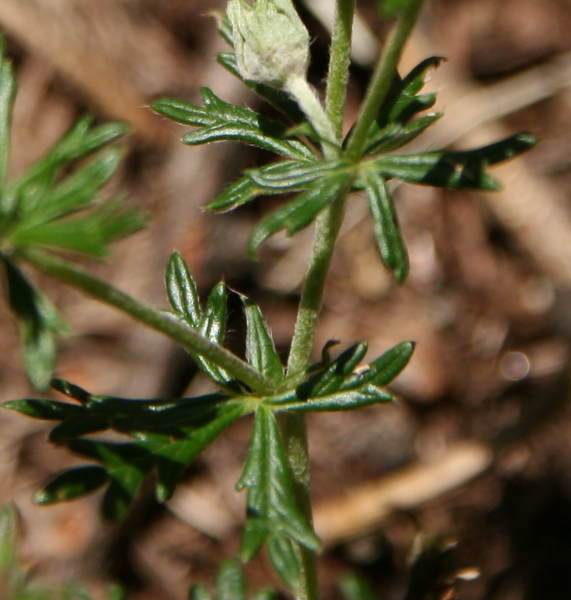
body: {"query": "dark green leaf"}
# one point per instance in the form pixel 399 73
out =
pixel 218 120
pixel 213 327
pixel 231 584
pixel 172 456
pixel 343 385
pixel 278 99
pixel 453 169
pixel 39 323
pixel 392 127
pixel 341 400
pixel 236 194
pixel 333 375
pixel 285 560
pixel 355 587
pixel 383 369
pixel 126 466
pixel 385 226
pixel 292 175
pixel 71 484
pixel 271 502
pixel 395 135
pixel 182 291
pixel 71 390
pixel 301 211
pixel 49 410
pixel 260 349
pixel 406 103
pixel 7 93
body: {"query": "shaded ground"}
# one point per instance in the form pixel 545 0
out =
pixel 488 301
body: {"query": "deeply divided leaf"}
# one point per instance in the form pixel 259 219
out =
pixel 302 210
pixel 260 348
pixel 272 506
pixel 218 120
pixel 39 324
pixel 385 226
pixel 464 169
pixel 182 291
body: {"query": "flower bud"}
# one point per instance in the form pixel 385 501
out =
pixel 270 40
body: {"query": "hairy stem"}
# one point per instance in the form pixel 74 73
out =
pixel 338 74
pixel 382 78
pixel 307 99
pixel 326 231
pixel 185 336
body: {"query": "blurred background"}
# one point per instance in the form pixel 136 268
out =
pixel 471 472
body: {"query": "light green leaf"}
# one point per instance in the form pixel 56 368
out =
pixel 126 466
pixel 7 94
pixel 231 584
pixel 199 592
pixel 89 233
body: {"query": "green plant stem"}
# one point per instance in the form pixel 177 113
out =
pixel 340 59
pixel 382 78
pixel 185 336
pixel 326 231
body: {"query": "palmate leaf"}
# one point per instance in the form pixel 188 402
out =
pixel 276 178
pixel 236 194
pixel 210 321
pixel 260 348
pixel 29 191
pixel 395 135
pixel 167 435
pixel 385 225
pixel 302 210
pixel 39 325
pixel 274 517
pixel 394 126
pixel 452 169
pixel 339 385
pixel 218 120
pixel 45 209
